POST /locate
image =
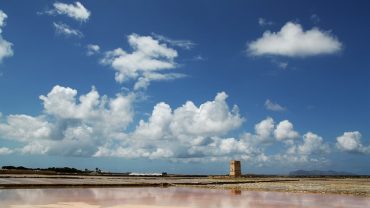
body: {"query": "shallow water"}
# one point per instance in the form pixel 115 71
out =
pixel 169 197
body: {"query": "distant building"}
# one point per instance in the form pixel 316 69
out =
pixel 235 170
pixel 145 174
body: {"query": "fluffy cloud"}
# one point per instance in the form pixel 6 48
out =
pixel 293 41
pixel 312 150
pixel 265 129
pixel 92 109
pixel 76 11
pixel 92 49
pixel 273 106
pixel 351 142
pixel 69 126
pixel 210 119
pixel 157 125
pixel 95 125
pixel 185 132
pixel 6 49
pixel 308 149
pixel 285 132
pixel 64 29
pixel 184 135
pixel 25 128
pixel 145 63
pixel 3 17
pixel 312 144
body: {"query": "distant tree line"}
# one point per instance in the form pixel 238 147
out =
pixel 55 169
pixel 15 168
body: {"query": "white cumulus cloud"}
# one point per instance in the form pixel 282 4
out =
pixel 311 151
pixel 265 128
pixel 196 134
pixel 293 41
pixel 25 128
pixel 6 49
pixel 93 125
pixel 312 144
pixel 71 126
pixel 3 17
pixel 76 11
pixel 351 142
pixel 285 132
pixel 209 119
pixel 186 132
pixel 212 118
pixel 145 63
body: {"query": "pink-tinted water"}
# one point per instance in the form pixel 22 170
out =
pixel 170 197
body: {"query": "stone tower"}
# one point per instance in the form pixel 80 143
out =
pixel 235 170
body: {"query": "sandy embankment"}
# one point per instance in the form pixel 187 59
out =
pixel 357 186
pixel 84 205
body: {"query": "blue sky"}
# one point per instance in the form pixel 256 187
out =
pixel 185 86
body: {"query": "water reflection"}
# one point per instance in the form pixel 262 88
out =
pixel 236 191
pixel 170 197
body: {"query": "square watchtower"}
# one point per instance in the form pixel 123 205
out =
pixel 235 169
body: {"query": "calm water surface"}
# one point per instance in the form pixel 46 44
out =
pixel 169 197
